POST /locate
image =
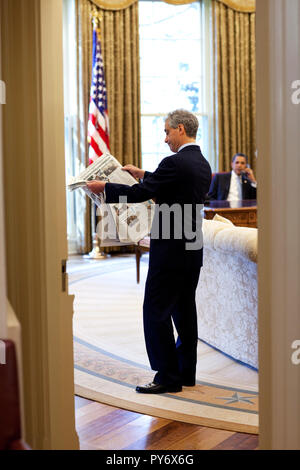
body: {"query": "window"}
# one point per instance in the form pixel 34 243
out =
pixel 174 72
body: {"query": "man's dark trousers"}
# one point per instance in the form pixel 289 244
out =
pixel 177 270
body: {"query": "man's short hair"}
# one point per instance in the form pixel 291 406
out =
pixel 187 119
pixel 239 155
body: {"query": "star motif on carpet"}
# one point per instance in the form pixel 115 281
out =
pixel 237 398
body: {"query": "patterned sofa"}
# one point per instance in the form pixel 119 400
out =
pixel 227 291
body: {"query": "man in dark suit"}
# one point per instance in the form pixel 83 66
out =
pixel 180 182
pixel 238 184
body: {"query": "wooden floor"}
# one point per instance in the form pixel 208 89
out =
pixel 104 427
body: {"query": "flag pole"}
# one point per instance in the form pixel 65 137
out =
pixel 96 252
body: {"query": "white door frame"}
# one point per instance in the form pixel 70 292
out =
pixel 35 216
pixel 278 137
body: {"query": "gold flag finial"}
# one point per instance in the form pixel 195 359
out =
pixel 97 17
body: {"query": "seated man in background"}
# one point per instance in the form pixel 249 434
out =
pixel 238 184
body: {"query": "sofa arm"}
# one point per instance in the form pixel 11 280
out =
pixel 240 240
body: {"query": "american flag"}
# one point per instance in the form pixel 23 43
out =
pixel 98 127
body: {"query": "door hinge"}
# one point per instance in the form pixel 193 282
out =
pixel 64 275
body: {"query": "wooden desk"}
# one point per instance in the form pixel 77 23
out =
pixel 241 213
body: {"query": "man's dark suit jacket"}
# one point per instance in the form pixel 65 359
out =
pixel 220 185
pixel 181 178
pixel 173 273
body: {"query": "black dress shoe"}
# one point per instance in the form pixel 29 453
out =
pixel 158 388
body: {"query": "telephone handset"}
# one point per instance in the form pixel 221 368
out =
pixel 244 173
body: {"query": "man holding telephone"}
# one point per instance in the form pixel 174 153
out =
pixel 238 184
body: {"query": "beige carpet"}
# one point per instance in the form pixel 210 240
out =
pixel 110 357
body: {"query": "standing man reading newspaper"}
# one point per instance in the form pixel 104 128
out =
pixel 179 186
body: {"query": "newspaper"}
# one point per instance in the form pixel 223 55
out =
pixel 119 223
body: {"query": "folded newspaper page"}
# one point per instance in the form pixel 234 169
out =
pixel 119 223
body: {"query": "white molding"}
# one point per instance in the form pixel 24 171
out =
pixel 3 327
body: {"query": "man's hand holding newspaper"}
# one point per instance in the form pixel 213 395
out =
pixel 120 223
pixel 97 187
pixel 134 171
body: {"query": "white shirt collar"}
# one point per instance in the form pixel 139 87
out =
pixel 185 145
pixel 233 173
